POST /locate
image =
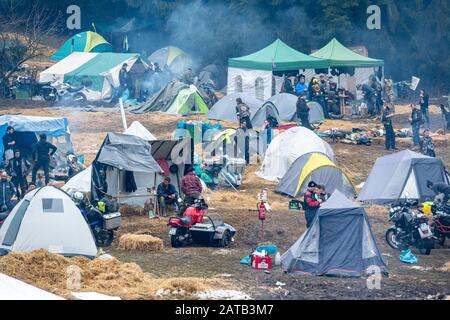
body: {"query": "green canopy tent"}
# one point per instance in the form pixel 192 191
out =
pixel 254 73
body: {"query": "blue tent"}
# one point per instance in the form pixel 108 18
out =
pixel 338 243
pixel 27 129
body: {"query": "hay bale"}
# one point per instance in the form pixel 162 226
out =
pixel 140 242
pixel 445 267
pixel 131 211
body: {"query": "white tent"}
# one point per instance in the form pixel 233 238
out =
pixel 288 147
pixel 137 129
pixel 80 182
pixel 47 218
pixel 13 289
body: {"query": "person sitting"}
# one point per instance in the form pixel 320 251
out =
pixel 427 145
pixel 75 166
pixel 167 195
pixel 7 192
pixel 191 186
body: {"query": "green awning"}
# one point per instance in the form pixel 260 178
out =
pixel 339 56
pixel 278 56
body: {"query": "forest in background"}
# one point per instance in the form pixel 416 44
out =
pixel 413 39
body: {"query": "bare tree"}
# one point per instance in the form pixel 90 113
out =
pixel 22 36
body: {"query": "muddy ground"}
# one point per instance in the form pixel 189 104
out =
pixel 283 227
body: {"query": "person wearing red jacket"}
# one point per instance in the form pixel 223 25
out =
pixel 311 203
pixel 191 186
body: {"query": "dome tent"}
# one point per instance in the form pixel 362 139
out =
pixel 402 175
pixel 286 105
pixel 288 147
pixel 225 108
pixel 87 41
pixel 318 168
pixel 339 242
pixel 263 113
pixel 47 218
pixel 172 58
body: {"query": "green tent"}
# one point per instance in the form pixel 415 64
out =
pixel 337 55
pixel 82 42
pixel 278 56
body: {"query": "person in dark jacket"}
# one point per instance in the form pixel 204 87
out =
pixel 303 111
pixel 427 145
pixel 167 195
pixel 416 121
pixel 19 167
pixel 243 113
pixel 311 203
pixel 7 191
pixel 42 152
pixel 9 143
pixel 191 186
pixel 386 119
pixel 440 188
pixel 424 104
pixel 287 85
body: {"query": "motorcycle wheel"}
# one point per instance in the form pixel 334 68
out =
pixel 104 238
pixel 226 239
pixel 426 246
pixel 49 98
pixel 391 238
pixel 175 240
pixel 79 99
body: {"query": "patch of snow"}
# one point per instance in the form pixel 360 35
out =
pixel 93 296
pixel 222 295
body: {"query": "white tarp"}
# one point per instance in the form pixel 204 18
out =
pixel 76 60
pixel 137 129
pixel 288 147
pixel 13 289
pixel 81 182
pixel 249 78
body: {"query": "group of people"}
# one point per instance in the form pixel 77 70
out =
pixel 167 194
pixel 16 167
pixel 313 198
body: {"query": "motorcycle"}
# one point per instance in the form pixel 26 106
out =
pixel 192 226
pixel 103 219
pixel 441 221
pixel 410 229
pixel 64 92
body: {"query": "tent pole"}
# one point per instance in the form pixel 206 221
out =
pixel 122 115
pixel 118 186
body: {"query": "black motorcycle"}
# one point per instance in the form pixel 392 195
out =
pixel 441 221
pixel 411 229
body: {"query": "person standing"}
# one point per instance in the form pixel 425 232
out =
pixel 424 106
pixel 427 145
pixel 311 203
pixel 9 144
pixel 301 86
pixel 416 121
pixel 386 119
pixel 7 191
pixel 124 80
pixel 243 113
pixel 191 186
pixel 303 111
pixel 19 167
pixel 287 85
pixel 42 152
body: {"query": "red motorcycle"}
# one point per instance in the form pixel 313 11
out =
pixel 194 226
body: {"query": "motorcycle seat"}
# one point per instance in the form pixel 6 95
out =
pixel 75 89
pixel 186 220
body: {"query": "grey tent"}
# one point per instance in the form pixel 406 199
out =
pixel 47 218
pixel 402 175
pixel 314 166
pixel 286 105
pixel 338 243
pixel 124 168
pixel 263 113
pixel 225 108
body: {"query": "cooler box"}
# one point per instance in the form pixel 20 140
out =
pixel 112 220
pixel 261 263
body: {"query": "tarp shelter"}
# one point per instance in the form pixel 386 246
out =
pixel 339 243
pixel 122 168
pixel 287 147
pixel 286 105
pixel 175 98
pixel 225 108
pixel 13 289
pixel 402 175
pixel 137 129
pixel 100 70
pixel 28 128
pixel 347 61
pixel 315 167
pixel 174 59
pixel 47 218
pixel 87 41
pixel 254 73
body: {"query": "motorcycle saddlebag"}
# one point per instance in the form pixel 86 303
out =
pixel 112 220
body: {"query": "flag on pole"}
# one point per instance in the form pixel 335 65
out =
pixel 125 44
pixel 93 27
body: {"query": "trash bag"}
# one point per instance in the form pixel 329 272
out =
pixel 407 257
